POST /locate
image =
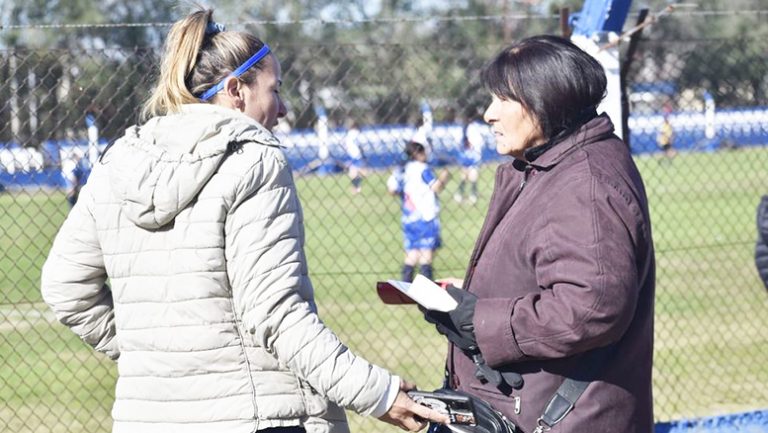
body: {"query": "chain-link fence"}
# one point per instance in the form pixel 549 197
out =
pixel 698 128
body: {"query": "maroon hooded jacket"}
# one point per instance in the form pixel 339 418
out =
pixel 564 265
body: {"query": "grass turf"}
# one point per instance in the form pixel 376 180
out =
pixel 711 321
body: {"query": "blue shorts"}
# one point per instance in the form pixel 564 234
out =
pixel 422 235
pixel 467 159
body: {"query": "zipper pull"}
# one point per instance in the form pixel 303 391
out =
pixel 517 405
pixel 527 171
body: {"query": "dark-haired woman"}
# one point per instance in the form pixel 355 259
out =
pixel 194 218
pixel 560 285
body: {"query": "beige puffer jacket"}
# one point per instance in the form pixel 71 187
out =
pixel 195 220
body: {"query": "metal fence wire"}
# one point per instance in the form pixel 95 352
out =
pixel 60 106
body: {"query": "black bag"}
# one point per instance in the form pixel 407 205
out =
pixel 489 420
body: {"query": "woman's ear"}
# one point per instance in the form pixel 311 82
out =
pixel 232 87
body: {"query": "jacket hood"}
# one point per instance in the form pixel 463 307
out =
pixel 158 168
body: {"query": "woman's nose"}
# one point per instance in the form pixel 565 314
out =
pixel 488 115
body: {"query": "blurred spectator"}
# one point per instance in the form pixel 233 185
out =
pixel 469 159
pixel 74 174
pixel 666 135
pixel 355 157
pixel 761 248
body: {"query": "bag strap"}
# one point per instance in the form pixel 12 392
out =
pixel 564 399
pixel 561 404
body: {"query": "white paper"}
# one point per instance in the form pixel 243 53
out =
pixel 428 294
pixel 458 428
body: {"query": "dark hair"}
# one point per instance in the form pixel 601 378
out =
pixel 558 83
pixel 412 148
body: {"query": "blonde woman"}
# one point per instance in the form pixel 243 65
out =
pixel 193 217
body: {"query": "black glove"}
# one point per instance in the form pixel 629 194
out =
pixel 458 327
pixel 457 323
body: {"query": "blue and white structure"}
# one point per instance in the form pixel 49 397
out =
pixel 596 30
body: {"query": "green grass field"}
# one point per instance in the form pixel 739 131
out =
pixel 711 310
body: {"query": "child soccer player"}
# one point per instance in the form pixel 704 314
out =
pixel 418 186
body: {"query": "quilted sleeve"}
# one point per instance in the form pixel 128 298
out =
pixel 74 280
pixel 268 272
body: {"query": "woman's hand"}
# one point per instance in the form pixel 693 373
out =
pixel 409 415
pixel 458 324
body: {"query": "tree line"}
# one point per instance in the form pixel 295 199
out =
pixel 371 64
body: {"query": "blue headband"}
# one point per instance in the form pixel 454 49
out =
pixel 208 94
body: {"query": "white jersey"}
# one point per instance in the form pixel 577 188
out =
pixel 419 201
pixel 475 137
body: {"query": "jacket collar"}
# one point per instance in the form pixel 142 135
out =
pixel 551 153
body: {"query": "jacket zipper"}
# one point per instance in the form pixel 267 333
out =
pixel 523 182
pixel 450 377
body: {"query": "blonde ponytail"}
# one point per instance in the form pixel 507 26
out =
pixel 194 61
pixel 181 51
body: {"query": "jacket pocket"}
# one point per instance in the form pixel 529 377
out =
pixel 314 403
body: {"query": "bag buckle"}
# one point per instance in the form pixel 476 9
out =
pixel 541 426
